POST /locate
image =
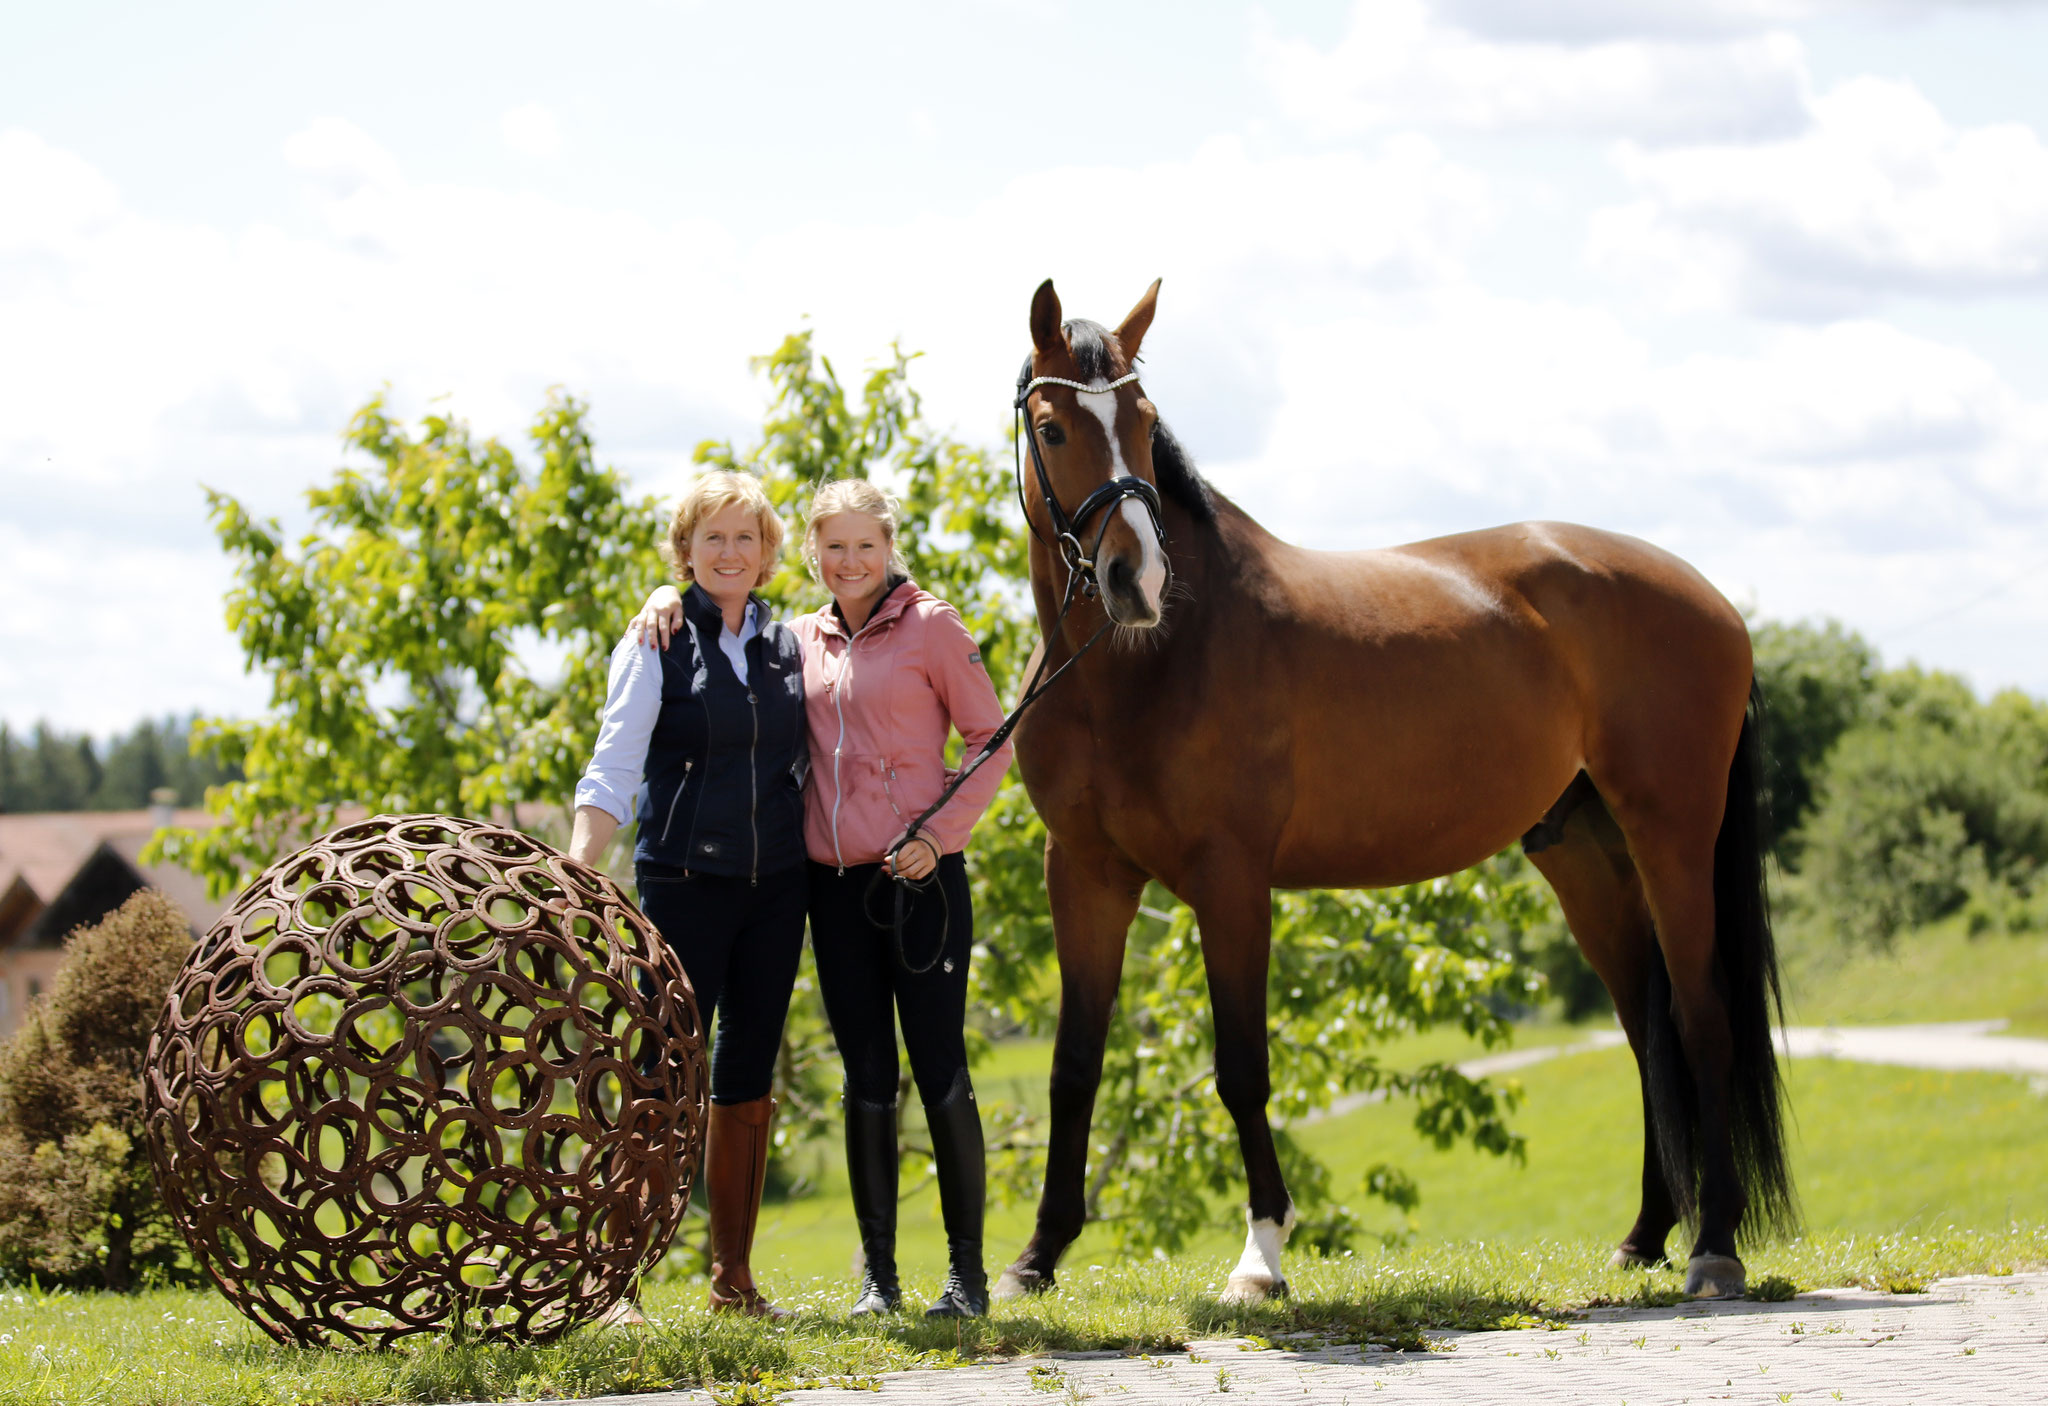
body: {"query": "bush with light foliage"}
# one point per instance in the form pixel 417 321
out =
pixel 78 1203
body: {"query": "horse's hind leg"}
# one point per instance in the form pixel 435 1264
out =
pixel 1587 864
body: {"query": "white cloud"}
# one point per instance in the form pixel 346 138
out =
pixel 531 130
pixel 1323 345
pixel 1881 195
pixel 146 356
pixel 48 197
pixel 1853 470
pixel 1399 65
pixel 1588 20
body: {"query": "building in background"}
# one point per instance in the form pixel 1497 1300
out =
pixel 60 870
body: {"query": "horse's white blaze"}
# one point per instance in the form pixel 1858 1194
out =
pixel 1151 560
pixel 1258 1271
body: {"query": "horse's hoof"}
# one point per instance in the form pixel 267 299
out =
pixel 1017 1283
pixel 1625 1258
pixel 1246 1289
pixel 1715 1277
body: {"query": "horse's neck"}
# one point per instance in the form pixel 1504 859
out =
pixel 1216 569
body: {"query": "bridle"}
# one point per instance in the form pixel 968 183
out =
pixel 1067 531
pixel 1081 580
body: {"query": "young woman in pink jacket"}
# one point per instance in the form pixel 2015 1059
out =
pixel 889 672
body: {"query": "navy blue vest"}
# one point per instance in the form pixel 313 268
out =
pixel 726 762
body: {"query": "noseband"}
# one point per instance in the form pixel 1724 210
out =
pixel 1067 531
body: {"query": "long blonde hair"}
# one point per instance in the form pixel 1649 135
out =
pixel 853 495
pixel 708 495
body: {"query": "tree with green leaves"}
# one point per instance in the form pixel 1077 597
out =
pixel 1934 802
pixel 1817 681
pixel 392 634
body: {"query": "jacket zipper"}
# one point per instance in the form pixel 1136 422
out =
pixel 689 763
pixel 839 711
pixel 754 791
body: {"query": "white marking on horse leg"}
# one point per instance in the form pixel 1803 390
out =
pixel 1151 561
pixel 1258 1275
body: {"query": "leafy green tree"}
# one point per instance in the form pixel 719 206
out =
pixel 1817 682
pixel 392 633
pixel 135 767
pixel 1936 802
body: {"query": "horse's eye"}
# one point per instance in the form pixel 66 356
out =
pixel 1052 434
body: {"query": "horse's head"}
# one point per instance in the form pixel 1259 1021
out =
pixel 1095 500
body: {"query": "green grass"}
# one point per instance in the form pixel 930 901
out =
pixel 1875 1148
pixel 1936 973
pixel 1904 1175
pixel 178 1346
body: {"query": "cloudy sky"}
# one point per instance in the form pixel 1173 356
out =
pixel 1760 280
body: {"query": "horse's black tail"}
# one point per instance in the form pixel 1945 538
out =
pixel 1746 970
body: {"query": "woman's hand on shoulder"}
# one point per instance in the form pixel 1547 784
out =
pixel 917 859
pixel 660 619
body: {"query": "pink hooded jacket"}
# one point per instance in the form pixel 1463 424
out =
pixel 879 707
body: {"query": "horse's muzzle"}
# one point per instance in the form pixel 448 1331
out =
pixel 1124 593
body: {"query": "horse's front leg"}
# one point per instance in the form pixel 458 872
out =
pixel 1236 919
pixel 1094 898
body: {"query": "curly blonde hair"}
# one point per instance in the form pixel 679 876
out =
pixel 853 495
pixel 707 496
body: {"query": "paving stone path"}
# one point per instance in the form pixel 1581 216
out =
pixel 1965 1341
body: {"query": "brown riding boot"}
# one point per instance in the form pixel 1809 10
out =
pixel 735 1171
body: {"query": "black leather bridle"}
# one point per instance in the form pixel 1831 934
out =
pixel 1067 531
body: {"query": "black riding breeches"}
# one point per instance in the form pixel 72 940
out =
pixel 738 941
pixel 866 987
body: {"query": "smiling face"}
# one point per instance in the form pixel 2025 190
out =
pixel 853 556
pixel 725 553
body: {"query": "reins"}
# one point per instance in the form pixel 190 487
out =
pixel 1081 580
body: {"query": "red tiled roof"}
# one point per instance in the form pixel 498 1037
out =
pixel 45 850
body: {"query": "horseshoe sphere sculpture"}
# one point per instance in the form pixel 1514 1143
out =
pixel 427 1075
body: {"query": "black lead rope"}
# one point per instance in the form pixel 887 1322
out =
pixel 1080 574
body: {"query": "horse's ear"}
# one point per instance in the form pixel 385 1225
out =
pixel 1132 332
pixel 1045 320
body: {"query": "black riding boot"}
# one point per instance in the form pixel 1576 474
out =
pixel 962 1168
pixel 871 1170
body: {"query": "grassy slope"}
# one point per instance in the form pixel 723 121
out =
pixel 1875 1148
pixel 1937 973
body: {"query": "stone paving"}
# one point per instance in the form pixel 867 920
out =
pixel 1965 1341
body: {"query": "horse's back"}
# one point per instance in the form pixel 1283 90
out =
pixel 1473 675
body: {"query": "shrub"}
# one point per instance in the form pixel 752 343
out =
pixel 1936 802
pixel 78 1203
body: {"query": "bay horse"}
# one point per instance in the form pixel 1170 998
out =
pixel 1268 716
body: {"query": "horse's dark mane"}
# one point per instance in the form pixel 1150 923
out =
pixel 1178 479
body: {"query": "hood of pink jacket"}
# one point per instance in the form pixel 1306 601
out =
pixel 879 706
